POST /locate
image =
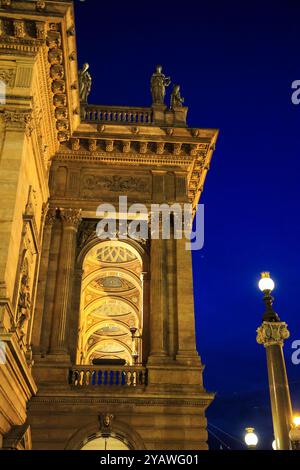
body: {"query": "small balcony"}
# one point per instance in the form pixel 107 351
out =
pixel 117 115
pixel 158 115
pixel 107 376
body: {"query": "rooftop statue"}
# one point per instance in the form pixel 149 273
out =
pixel 85 83
pixel 159 82
pixel 176 98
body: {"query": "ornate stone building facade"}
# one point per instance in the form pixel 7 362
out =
pixel 97 337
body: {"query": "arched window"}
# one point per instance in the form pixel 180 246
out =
pixel 111 304
pixel 105 443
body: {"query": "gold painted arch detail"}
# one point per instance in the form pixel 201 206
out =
pixel 111 304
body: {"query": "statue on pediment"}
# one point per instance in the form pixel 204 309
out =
pixel 85 83
pixel 159 82
pixel 176 99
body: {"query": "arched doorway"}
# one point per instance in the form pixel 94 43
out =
pixel 111 305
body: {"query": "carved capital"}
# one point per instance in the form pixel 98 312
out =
pixel 71 217
pixel 50 217
pixel 7 76
pixel 270 333
pixel 19 120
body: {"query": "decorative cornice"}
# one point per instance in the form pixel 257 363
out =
pixel 57 73
pixel 135 400
pixel 116 158
pixel 272 333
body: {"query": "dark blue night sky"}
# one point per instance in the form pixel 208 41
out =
pixel 235 62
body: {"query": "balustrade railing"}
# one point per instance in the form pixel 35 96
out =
pixel 99 376
pixel 117 115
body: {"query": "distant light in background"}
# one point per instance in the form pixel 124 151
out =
pixel 251 438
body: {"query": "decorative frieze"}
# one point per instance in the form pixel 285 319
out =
pixel 93 185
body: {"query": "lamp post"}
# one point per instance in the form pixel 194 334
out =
pixel 251 438
pixel 295 433
pixel 272 334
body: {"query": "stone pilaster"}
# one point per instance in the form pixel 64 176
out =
pixel 41 290
pixel 59 340
pixel 187 352
pixel 158 304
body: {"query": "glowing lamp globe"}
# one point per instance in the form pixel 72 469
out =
pixel 274 445
pixel 266 283
pixel 296 421
pixel 251 438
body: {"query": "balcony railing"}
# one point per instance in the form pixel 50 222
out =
pixel 99 376
pixel 117 115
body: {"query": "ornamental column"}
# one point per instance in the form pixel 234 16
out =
pixel 60 328
pixel 272 334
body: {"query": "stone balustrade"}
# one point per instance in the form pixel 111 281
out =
pixel 99 376
pixel 117 115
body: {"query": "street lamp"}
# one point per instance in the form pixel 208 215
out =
pixel 295 433
pixel 251 438
pixel 272 334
